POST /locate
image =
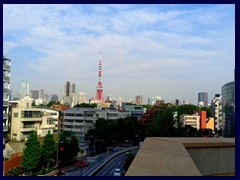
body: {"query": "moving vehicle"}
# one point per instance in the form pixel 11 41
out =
pixel 117 172
pixel 82 163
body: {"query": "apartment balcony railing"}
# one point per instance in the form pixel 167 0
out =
pixel 48 126
pixel 5 90
pixel 6 67
pixel 6 78
pixel 5 128
pixel 5 103
pixel 5 116
pixel 31 119
pixel 27 129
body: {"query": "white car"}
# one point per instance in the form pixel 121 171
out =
pixel 117 172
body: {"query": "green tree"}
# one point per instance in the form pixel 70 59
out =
pixel 94 105
pixel 52 102
pixel 74 144
pixel 31 153
pixel 128 160
pixel 48 149
pixel 163 123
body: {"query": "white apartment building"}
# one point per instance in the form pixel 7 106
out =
pixel 26 118
pixel 80 120
pixel 216 110
pixel 192 120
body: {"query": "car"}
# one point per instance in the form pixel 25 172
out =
pixel 117 172
pixel 82 163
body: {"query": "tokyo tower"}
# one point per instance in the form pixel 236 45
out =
pixel 99 94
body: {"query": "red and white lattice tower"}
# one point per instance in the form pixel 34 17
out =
pixel 99 94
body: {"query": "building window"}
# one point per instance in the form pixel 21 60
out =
pixel 50 121
pixel 15 115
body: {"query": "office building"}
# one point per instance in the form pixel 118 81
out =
pixel 24 89
pixel 82 98
pixel 203 99
pixel 6 92
pixel 139 100
pixel 228 108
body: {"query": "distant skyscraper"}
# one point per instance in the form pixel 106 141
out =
pixel 99 94
pixel 203 99
pixel 54 97
pixel 69 89
pixel 177 102
pixel 138 100
pixel 82 97
pixel 154 100
pixel 24 89
pixel 34 94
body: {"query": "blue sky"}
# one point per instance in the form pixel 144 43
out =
pixel 172 51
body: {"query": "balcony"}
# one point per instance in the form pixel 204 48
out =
pixel 48 126
pixel 6 78
pixel 27 129
pixel 5 128
pixel 5 116
pixel 6 67
pixel 5 90
pixel 31 119
pixel 5 103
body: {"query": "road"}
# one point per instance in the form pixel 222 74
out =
pixel 117 162
pixel 97 162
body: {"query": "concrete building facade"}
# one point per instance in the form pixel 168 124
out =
pixel 216 112
pixel 80 120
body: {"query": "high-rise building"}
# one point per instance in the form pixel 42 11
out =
pixel 228 107
pixel 69 89
pixel 216 112
pixel 24 89
pixel 154 100
pixel 99 94
pixel 54 97
pixel 203 99
pixel 82 97
pixel 6 91
pixel 139 100
pixel 34 94
pixel 177 102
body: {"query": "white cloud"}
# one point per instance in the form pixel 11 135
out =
pixel 137 41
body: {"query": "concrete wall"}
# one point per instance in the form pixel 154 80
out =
pixel 179 156
pixel 214 161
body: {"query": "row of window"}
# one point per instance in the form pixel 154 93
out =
pixel 31 114
pixel 79 115
pixel 78 121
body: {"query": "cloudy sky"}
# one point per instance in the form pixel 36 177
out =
pixel 172 51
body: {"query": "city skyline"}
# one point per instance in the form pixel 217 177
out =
pixel 172 51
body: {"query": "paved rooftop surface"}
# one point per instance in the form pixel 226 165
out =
pixel 159 156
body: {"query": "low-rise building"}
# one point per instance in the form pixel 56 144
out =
pixel 26 118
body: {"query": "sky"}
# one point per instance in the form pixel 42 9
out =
pixel 173 51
